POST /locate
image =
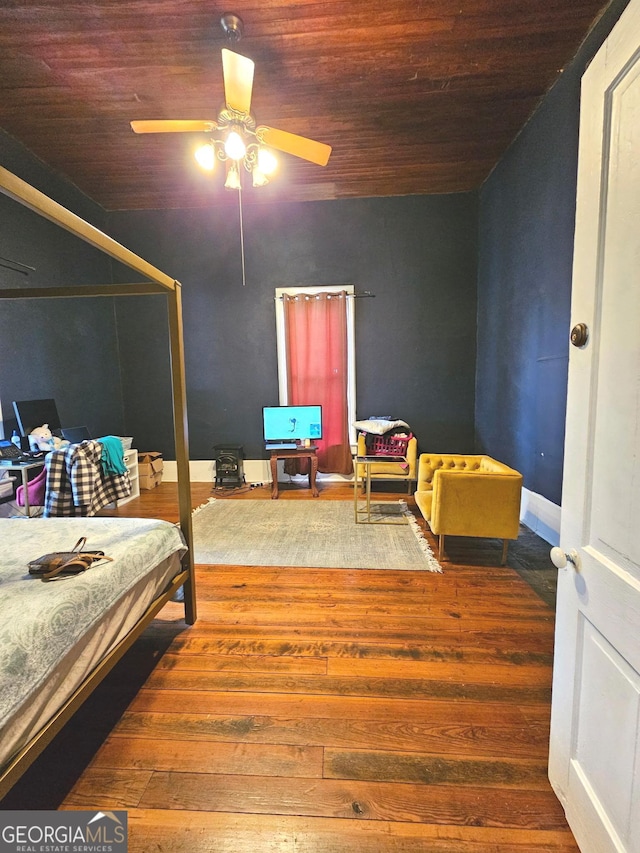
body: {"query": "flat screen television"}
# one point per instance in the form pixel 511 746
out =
pixel 35 413
pixel 291 423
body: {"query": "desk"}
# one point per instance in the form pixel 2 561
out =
pixel 24 467
pixel 297 453
pixel 366 462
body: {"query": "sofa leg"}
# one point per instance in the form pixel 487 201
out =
pixel 441 553
pixel 505 548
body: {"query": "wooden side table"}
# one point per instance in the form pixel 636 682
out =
pixel 309 453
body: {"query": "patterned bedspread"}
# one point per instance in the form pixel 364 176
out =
pixel 40 622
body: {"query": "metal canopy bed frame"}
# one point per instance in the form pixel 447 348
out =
pixel 157 283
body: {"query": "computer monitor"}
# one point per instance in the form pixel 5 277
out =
pixel 35 413
pixel 75 435
pixel 292 423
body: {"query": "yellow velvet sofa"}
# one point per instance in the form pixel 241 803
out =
pixel 462 495
pixel 392 470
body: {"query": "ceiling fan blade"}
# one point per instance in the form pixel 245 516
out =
pixel 299 146
pixel 173 126
pixel 237 72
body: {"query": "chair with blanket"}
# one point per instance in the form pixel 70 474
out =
pixel 385 470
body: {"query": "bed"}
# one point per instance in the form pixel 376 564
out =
pixel 53 634
pixel 48 667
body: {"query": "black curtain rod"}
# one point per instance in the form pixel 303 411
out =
pixel 365 294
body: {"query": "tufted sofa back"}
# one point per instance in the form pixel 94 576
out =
pixel 432 462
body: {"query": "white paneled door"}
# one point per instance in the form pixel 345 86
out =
pixel 594 763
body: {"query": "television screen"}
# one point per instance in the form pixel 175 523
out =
pixel 292 423
pixel 36 413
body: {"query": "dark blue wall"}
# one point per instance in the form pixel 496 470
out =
pixel 527 212
pixel 415 341
pixel 105 361
pixel 60 348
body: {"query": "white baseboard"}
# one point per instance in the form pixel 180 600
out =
pixel 204 471
pixel 541 515
pixel 255 471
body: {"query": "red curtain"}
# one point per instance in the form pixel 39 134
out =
pixel 317 364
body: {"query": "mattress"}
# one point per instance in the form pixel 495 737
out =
pixel 53 634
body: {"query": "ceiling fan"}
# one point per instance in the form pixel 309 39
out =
pixel 235 139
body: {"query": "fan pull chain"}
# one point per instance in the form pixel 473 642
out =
pixel 244 280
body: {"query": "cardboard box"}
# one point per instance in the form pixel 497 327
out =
pixel 150 467
pixel 150 481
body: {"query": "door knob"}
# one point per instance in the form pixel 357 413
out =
pixel 579 335
pixel 560 559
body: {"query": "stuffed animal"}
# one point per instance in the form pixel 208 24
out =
pixel 41 438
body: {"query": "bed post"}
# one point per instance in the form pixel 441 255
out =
pixel 178 381
pixel 15 188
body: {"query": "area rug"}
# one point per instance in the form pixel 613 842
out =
pixel 309 533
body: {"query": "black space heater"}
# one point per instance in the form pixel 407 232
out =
pixel 229 465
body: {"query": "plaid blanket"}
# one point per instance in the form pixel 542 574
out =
pixel 76 484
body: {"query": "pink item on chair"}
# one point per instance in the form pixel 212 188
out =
pixel 37 488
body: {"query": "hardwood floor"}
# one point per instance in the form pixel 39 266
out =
pixel 326 710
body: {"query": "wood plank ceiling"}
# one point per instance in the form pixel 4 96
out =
pixel 415 96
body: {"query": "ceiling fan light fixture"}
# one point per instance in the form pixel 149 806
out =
pixel 233 137
pixel 267 161
pixel 259 178
pixel 206 156
pixel 234 146
pixel 233 177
